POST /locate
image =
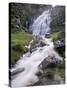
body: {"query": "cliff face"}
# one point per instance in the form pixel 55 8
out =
pixel 58 17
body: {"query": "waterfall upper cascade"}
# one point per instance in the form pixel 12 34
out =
pixel 41 25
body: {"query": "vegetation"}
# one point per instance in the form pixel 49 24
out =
pixel 58 35
pixel 56 69
pixel 21 38
pixel 18 42
pixel 22 16
pixel 58 32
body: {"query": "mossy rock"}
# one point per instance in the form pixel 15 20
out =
pixel 48 74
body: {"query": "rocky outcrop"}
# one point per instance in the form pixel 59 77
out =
pixel 59 43
pixel 58 15
pixel 50 61
pixel 49 78
pixel 60 47
pixel 34 44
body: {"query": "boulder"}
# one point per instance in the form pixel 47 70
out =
pixel 60 47
pixel 59 43
pixel 50 61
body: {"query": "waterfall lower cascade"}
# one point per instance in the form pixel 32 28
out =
pixel 41 25
pixel 30 62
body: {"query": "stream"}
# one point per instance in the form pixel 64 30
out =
pixel 28 64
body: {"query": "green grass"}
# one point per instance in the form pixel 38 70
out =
pixel 58 32
pixel 59 69
pixel 58 35
pixel 18 42
pixel 55 71
pixel 21 38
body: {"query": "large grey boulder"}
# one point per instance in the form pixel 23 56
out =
pixel 49 61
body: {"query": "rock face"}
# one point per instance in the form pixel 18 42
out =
pixel 58 15
pixel 59 43
pixel 60 46
pixel 58 18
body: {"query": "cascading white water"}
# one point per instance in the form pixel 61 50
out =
pixel 41 25
pixel 30 62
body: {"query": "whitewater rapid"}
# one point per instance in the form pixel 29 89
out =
pixel 31 62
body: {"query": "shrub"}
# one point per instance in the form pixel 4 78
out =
pixel 17 48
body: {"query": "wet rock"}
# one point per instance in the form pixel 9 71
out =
pixel 59 43
pixel 42 44
pixel 47 35
pixel 49 77
pixel 33 45
pixel 60 47
pixel 40 72
pixel 50 61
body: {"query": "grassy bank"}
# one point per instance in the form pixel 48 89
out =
pixel 52 70
pixel 58 32
pixel 18 42
pixel 58 35
pixel 58 69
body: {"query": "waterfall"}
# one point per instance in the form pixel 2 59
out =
pixel 41 25
pixel 29 63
